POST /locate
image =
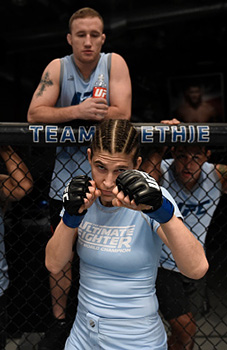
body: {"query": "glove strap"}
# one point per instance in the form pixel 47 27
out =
pixel 164 213
pixel 73 221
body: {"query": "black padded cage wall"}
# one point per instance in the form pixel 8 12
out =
pixel 27 229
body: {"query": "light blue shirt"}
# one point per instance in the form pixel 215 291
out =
pixel 72 161
pixel 119 252
pixel 197 206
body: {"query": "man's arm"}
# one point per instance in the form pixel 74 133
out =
pixel 42 107
pixel 221 170
pixel 18 182
pixel 120 89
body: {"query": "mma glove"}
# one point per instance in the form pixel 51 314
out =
pixel 144 189
pixel 73 198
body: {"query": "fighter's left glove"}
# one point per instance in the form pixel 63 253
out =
pixel 144 189
pixel 73 199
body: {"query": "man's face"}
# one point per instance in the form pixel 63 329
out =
pixel 193 95
pixel 86 39
pixel 188 162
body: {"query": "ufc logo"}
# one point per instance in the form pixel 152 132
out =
pixel 198 209
pixel 65 196
pixel 150 180
pixel 99 92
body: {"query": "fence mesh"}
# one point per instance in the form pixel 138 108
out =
pixel 27 230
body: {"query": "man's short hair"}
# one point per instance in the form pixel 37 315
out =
pixel 84 13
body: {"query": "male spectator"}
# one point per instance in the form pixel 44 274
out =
pixel 63 96
pixel 196 185
pixel 13 186
pixel 195 109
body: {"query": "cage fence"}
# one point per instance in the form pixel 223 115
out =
pixel 27 226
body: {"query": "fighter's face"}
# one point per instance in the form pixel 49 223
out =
pixel 193 95
pixel 105 169
pixel 187 164
pixel 86 39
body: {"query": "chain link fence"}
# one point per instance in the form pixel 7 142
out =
pixel 27 230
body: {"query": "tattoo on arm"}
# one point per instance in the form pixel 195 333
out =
pixel 44 82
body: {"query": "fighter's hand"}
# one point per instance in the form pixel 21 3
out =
pixel 79 195
pixel 91 196
pixel 93 109
pixel 137 190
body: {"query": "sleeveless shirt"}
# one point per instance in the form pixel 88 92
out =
pixel 72 161
pixel 197 206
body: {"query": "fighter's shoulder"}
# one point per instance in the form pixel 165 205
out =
pixel 117 60
pixel 54 64
pixel 166 164
pixel 52 70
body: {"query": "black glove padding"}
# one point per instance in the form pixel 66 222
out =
pixel 141 187
pixel 74 194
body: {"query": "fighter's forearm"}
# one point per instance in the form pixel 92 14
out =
pixel 53 115
pixel 59 248
pixel 186 249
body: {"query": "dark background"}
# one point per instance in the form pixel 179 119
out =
pixel 158 39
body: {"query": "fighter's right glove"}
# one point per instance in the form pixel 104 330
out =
pixel 144 189
pixel 73 198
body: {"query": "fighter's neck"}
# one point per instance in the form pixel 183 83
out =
pixel 85 69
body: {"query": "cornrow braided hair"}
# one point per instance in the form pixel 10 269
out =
pixel 116 136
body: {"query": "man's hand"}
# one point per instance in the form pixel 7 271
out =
pixel 93 109
pixel 173 121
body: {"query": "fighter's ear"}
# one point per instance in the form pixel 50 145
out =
pixel 103 38
pixel 69 39
pixel 138 163
pixel 89 155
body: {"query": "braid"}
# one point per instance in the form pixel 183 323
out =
pixel 116 136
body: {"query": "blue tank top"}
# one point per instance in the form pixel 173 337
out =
pixel 4 278
pixel 196 206
pixel 119 252
pixel 72 161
